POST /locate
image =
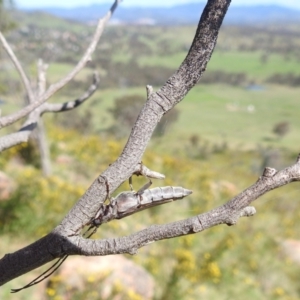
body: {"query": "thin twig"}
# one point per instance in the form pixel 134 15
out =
pixel 61 107
pixel 19 68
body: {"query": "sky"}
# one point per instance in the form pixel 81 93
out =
pixel 74 3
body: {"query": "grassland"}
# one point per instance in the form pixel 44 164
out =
pixel 236 115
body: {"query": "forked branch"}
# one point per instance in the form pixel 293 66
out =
pixel 25 131
pixel 10 119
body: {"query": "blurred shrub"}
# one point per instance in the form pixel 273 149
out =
pixel 198 148
pixel 125 112
pixel 38 204
pixel 73 119
pixel 235 79
pixel 281 129
pixel 25 153
pixel 285 79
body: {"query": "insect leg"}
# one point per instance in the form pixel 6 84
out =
pixel 130 183
pixel 144 187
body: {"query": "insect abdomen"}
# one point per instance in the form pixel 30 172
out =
pixel 164 193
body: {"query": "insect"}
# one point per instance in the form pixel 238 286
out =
pixel 129 202
pixel 125 204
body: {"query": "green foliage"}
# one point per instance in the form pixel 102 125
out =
pixel 125 112
pixel 6 22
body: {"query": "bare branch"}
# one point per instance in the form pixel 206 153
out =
pixel 7 120
pixel 19 68
pixel 61 107
pixel 40 133
pixel 65 237
pixel 24 133
pixel 17 138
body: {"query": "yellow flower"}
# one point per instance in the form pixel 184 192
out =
pixel 50 292
pixel 91 279
pixel 214 270
pixel 279 291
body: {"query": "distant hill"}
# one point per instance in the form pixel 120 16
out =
pixel 180 14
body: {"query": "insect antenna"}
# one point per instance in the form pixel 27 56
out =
pixel 44 275
pixel 60 261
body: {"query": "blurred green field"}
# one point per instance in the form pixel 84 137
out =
pixel 237 115
pixel 251 64
pixel 233 62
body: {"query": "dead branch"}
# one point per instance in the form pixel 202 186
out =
pixel 61 107
pixel 172 92
pixel 42 68
pixel 10 119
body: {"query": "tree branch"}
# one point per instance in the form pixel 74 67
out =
pixel 65 239
pixel 42 68
pixel 17 138
pixel 61 107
